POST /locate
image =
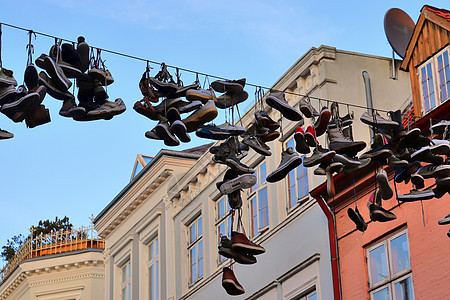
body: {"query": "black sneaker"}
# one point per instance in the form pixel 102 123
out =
pixel 162 130
pixel 416 195
pixel 404 174
pixel 289 161
pixel 179 129
pixel 318 156
pixel 277 101
pixel 226 251
pixel 231 86
pixel 385 188
pixel 379 214
pixel 256 144
pixel 424 154
pixel 356 217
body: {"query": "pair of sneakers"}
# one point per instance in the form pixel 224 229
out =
pixel 230 153
pixel 233 90
pixel 233 182
pixel 170 129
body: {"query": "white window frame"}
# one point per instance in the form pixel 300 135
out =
pixel 126 282
pixel 225 219
pixel 254 194
pixel 392 278
pixel 194 246
pixel 153 269
pixel 302 199
pixel 436 80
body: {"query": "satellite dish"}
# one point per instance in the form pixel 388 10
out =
pixel 399 28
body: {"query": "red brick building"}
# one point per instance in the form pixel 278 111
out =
pixel 407 258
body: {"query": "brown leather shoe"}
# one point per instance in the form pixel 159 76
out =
pixel 230 283
pixel 37 117
pixel 240 243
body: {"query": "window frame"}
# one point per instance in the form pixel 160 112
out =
pixel 255 194
pixel 304 198
pixel 195 243
pixel 435 79
pixel 392 277
pixel 226 218
pixel 151 262
pixel 125 284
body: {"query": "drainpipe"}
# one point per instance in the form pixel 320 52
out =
pixel 333 247
pixel 368 90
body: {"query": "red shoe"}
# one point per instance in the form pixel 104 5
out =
pixel 310 137
pixel 230 283
pixel 300 142
pixel 240 243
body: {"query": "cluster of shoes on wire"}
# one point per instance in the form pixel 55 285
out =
pixel 413 157
pixel 201 103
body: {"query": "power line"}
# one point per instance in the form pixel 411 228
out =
pixel 191 71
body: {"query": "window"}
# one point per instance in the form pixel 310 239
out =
pixel 258 201
pixel 195 250
pixel 126 281
pixel 308 296
pixel 435 89
pixel 223 221
pixel 389 267
pixel 297 182
pixel 153 269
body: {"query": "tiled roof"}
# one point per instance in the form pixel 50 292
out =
pixel 439 12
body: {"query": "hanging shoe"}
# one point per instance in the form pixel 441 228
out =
pixel 145 108
pixel 201 95
pixel 385 188
pixel 356 217
pixel 211 131
pixel 301 146
pixel 235 200
pixel 424 154
pixel 108 109
pixel 231 86
pixel 321 124
pixel 83 52
pixel 8 94
pixel 378 213
pixel 230 99
pixel 226 251
pixel 271 136
pixel 5 134
pixel 310 137
pixel 334 167
pixel 418 181
pixel 241 244
pixel 179 129
pixel 52 89
pixel 440 127
pixel 26 104
pixel 404 174
pixel 347 161
pixel 182 90
pixel 364 162
pixel 151 134
pixel 445 220
pixel 321 169
pixel 256 144
pixel 233 182
pixel 399 131
pixel 163 132
pixel 306 108
pixel 38 116
pixel 416 195
pixel 265 120
pixel 7 78
pixel 278 101
pixel 31 77
pixel 56 74
pixel 395 162
pixel 70 109
pixel 204 114
pixel 380 154
pixel 164 88
pixel 440 147
pixel 378 121
pixel 230 283
pixel 434 170
pixel 318 156
pixel 289 161
pixel 342 144
pixel 193 105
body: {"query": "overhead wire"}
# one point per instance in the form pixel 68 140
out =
pixel 269 89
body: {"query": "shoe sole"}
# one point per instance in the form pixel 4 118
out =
pixel 179 129
pixel 54 91
pixel 306 111
pixel 441 149
pixel 385 187
pixel 412 198
pixel 282 171
pixel 231 288
pixel 300 143
pixel 324 119
pixel 418 182
pixel 242 182
pixel 31 77
pixel 359 222
pixel 348 148
pixel 444 221
pixel 270 137
pixel 57 78
pixel 223 87
pixel 231 100
pixel 26 104
pixel 169 139
pixel 285 109
pixel 310 140
pixel 192 122
pixel 380 216
pixel 197 96
pixel 249 249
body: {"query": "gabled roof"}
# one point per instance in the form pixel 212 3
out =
pixel 438 16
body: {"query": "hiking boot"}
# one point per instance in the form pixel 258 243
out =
pixel 238 182
pixel 204 114
pixel 230 283
pixel 31 77
pixel 5 134
pixel 441 127
pixel 306 108
pixel 364 162
pixel 266 121
pixel 8 94
pixel 289 161
pixel 385 188
pixel 194 105
pixel 320 126
pixel 201 95
pixel 7 78
pixel 278 101
pixel 52 89
pixel 256 144
pixel 404 174
pixel 27 103
pixel 241 244
pixel 318 156
pixel 38 116
pixel 356 217
pixel 310 137
pixel 56 74
pixel 378 121
pixel 395 162
pixel 424 154
pixel 418 181
pixel 235 200
pixel 179 129
pixel 342 144
pixel 163 132
pixel 144 108
pixel 416 195
pixel 433 170
pixel 226 251
pixel 70 109
pixel 444 221
pixel 301 146
pixel 231 86
pixel 230 99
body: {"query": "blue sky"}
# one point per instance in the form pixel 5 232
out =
pixel 76 168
